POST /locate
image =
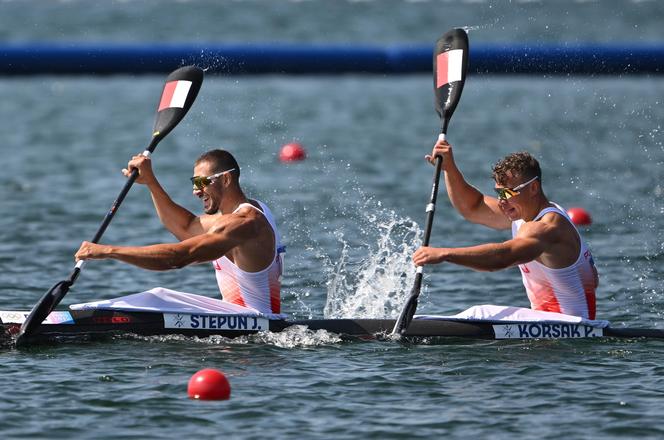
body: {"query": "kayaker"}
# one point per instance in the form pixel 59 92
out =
pixel 557 268
pixel 238 235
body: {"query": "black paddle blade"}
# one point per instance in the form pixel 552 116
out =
pixel 46 304
pixel 406 315
pixel 450 65
pixel 180 91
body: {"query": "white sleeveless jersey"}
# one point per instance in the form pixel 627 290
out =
pixel 261 290
pixel 570 290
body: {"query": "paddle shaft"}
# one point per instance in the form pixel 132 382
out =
pixel 73 276
pixel 407 313
pixel 430 210
pixel 114 208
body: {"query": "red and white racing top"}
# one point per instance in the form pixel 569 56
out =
pixel 570 290
pixel 260 290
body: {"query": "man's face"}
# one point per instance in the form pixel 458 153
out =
pixel 513 206
pixel 210 194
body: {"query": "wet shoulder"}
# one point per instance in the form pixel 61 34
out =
pixel 558 225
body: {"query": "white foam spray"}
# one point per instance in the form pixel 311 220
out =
pixel 373 276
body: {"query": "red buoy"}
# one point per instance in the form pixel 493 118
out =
pixel 209 384
pixel 579 216
pixel 292 152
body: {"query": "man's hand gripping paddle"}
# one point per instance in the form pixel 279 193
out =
pixel 177 97
pixel 450 64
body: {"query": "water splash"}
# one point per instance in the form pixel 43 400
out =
pixel 296 336
pixel 372 280
pixel 468 29
pixel 208 61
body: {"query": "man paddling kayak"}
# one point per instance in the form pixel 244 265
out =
pixel 557 268
pixel 238 235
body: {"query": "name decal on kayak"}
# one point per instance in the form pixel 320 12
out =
pixel 215 322
pixel 546 331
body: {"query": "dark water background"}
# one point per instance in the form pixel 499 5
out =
pixel 349 215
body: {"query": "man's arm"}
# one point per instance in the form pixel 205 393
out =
pixel 198 249
pixel 466 199
pixel 178 220
pixel 492 256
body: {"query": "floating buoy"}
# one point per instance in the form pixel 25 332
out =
pixel 209 384
pixel 579 216
pixel 292 152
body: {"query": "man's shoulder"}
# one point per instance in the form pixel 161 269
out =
pixel 245 217
pixel 248 211
pixel 549 224
pixel 552 227
pixel 557 220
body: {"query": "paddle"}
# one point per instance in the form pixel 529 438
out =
pixel 177 97
pixel 450 64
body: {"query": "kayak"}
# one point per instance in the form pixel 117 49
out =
pixel 166 312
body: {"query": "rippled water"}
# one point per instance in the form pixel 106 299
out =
pixel 350 215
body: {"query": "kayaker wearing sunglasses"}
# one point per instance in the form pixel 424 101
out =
pixel 557 268
pixel 238 235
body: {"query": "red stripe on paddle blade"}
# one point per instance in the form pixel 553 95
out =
pixel 175 94
pixel 449 67
pixel 167 95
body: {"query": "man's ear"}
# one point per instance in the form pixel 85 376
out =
pixel 535 186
